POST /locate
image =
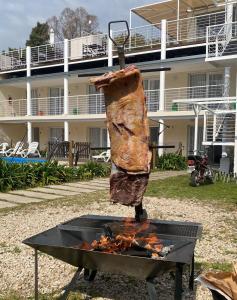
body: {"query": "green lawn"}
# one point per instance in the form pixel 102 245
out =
pixel 178 187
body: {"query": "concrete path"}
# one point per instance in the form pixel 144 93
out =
pixel 52 192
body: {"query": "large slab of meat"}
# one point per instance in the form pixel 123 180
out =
pixel 127 123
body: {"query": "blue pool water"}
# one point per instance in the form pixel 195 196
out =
pixel 20 160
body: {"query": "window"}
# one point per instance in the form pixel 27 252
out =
pixel 154 135
pixel 205 85
pixel 96 101
pixel 56 134
pixel 151 87
pixel 35 134
pixel 98 137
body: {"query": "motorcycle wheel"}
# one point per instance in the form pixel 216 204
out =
pixel 194 180
pixel 210 176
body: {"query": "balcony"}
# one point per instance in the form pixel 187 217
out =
pixel 180 33
pixel 221 41
pixel 187 93
pixel 83 48
pixel 84 105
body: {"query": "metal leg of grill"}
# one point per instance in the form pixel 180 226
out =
pixel 36 276
pixel 89 275
pixel 191 278
pixel 178 282
pixel 151 289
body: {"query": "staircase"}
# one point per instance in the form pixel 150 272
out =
pixel 231 48
pixel 220 128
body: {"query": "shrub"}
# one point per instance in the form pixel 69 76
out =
pixel 172 161
pixel 19 176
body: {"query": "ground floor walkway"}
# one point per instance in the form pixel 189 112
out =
pixel 51 192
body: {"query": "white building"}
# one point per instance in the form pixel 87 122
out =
pixel 42 96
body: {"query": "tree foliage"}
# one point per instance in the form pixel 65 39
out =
pixel 39 35
pixel 73 23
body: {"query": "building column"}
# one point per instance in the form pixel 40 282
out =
pixel 235 145
pixel 65 85
pixel 162 85
pixel 66 131
pixel 110 50
pixel 110 64
pixel 108 139
pixel 29 132
pixel 195 146
pixel 28 80
pixel 226 94
pixel 28 93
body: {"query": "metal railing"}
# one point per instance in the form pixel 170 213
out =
pixel 192 30
pixel 147 36
pixel 221 40
pixel 11 60
pixel 87 47
pixel 152 100
pixel 216 133
pixel 187 93
pixel 48 106
pixel 179 32
pixel 13 108
pixel 47 53
pixel 94 103
pixel 86 104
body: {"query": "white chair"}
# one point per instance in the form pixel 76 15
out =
pixel 3 148
pixel 104 156
pixel 32 149
pixel 16 150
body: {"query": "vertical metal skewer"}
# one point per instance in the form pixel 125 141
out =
pixel 140 213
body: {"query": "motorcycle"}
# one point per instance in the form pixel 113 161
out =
pixel 200 171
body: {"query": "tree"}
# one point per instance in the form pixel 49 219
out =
pixel 73 23
pixel 39 35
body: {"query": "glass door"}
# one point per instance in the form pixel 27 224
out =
pixel 151 88
pixel 96 101
pixel 56 134
pixel 34 102
pixel 56 105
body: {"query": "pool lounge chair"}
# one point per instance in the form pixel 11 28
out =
pixel 104 156
pixel 3 149
pixel 16 150
pixel 32 150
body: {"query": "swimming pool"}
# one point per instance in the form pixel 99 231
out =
pixel 21 160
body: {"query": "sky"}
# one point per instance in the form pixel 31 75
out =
pixel 17 17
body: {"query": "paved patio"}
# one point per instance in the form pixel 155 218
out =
pixel 52 192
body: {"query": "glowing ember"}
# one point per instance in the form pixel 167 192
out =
pixel 126 236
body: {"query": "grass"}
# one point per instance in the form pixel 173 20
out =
pixel 214 266
pixel 179 188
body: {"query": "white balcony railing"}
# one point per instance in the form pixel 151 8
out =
pixel 221 40
pixel 15 59
pixel 94 103
pixel 187 93
pixel 88 47
pixel 147 36
pixel 143 38
pixel 47 53
pixel 13 108
pixel 192 30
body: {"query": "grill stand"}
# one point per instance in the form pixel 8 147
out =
pixel 89 275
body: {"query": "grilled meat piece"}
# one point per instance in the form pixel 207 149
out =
pixel 128 127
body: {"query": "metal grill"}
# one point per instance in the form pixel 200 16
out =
pixel 63 242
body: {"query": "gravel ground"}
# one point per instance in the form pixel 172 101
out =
pixel 17 261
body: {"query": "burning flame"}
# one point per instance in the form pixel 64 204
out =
pixel 125 236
